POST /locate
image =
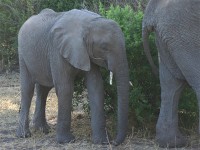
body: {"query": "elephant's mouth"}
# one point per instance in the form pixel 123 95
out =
pixel 99 61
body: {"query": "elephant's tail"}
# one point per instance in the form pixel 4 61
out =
pixel 145 38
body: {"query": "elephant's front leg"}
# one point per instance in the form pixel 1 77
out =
pixel 39 120
pixel 96 100
pixel 167 132
pixel 64 90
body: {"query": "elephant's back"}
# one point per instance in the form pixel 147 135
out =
pixel 36 27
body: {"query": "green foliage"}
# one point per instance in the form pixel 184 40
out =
pixel 60 5
pixel 12 16
pixel 188 110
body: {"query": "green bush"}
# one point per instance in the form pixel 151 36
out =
pixel 188 110
pixel 12 16
pixel 60 5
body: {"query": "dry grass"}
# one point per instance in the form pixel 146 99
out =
pixel 9 107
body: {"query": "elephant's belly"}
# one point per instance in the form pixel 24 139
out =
pixel 44 81
pixel 41 74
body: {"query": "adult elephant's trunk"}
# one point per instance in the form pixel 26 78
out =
pixel 145 37
pixel 122 80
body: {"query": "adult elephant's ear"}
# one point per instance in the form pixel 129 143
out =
pixel 67 37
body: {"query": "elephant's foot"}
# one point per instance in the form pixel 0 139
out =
pixel 44 127
pixel 121 136
pixel 101 138
pixel 165 140
pixel 23 133
pixel 65 138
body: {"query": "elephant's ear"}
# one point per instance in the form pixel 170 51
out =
pixel 68 39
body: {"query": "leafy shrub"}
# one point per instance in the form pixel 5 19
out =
pixel 60 5
pixel 12 16
pixel 188 110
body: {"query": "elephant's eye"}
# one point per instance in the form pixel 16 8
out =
pixel 104 47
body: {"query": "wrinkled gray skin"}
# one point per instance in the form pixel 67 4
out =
pixel 53 49
pixel 176 24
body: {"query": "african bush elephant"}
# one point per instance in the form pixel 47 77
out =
pixel 176 24
pixel 53 49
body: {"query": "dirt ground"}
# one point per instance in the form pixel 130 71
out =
pixel 9 108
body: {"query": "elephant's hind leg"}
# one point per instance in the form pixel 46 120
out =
pixel 167 132
pixel 39 120
pixel 27 90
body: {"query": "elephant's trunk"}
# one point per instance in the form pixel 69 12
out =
pixel 122 80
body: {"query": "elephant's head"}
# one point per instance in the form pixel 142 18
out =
pixel 107 48
pixel 86 38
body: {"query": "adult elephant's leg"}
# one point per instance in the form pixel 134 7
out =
pixel 64 85
pixel 96 101
pixel 167 132
pixel 39 120
pixel 27 90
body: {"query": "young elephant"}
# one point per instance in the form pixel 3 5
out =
pixel 176 24
pixel 53 49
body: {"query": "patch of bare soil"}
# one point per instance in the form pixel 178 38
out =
pixel 9 108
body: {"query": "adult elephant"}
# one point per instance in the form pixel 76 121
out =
pixel 53 49
pixel 176 24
